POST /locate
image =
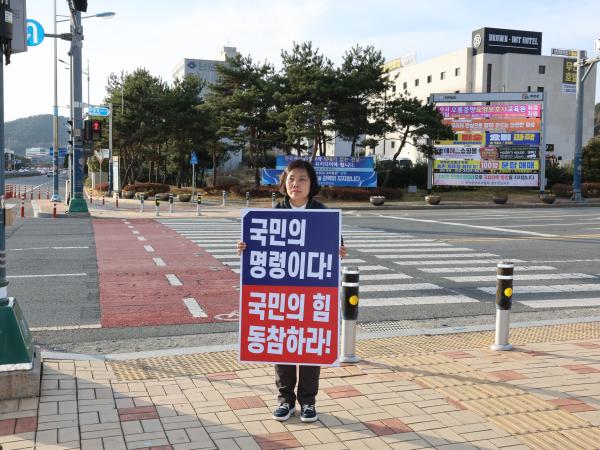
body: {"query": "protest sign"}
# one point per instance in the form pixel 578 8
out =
pixel 289 299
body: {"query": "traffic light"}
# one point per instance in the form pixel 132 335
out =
pixel 96 130
pixel 80 5
pixel 88 135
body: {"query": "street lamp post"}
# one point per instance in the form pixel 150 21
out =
pixel 582 63
pixel 55 191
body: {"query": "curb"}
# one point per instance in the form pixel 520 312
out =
pixel 360 337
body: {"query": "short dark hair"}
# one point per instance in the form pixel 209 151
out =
pixel 310 170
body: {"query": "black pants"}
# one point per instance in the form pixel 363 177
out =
pixel 308 383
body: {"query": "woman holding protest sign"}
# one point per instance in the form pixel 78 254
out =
pixel 299 184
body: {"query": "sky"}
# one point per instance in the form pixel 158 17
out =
pixel 157 35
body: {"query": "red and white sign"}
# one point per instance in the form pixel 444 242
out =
pixel 289 299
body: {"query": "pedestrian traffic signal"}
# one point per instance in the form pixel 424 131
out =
pixel 88 135
pixel 96 130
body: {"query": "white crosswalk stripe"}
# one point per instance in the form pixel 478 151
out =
pixel 384 276
pixel 442 262
pixel 396 244
pixel 488 269
pixel 434 255
pixel 417 250
pixel 424 300
pixel 398 287
pixel 545 289
pixel 518 277
pixel 562 302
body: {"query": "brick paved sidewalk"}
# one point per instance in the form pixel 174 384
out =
pixel 445 392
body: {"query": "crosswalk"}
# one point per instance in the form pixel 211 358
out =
pixel 398 269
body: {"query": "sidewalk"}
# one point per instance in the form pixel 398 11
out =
pixel 445 392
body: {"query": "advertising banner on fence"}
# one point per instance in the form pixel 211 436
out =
pixel 484 165
pixel 491 152
pixel 456 152
pixel 485 179
pixel 331 170
pixel 496 111
pixel 512 139
pixel 473 139
pixel 289 299
pixel 494 125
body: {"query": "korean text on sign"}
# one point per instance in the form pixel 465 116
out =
pixel 289 295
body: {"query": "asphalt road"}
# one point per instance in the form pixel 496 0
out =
pixel 557 249
pixel 559 242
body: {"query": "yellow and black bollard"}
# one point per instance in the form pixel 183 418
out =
pixel 504 292
pixel 199 204
pixel 273 195
pixel 224 195
pixel 349 314
pixel 157 204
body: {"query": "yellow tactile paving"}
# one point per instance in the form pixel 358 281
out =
pixel 538 421
pixel 423 349
pixel 574 439
pixel 177 366
pixel 479 391
pixel 508 405
pixel 439 381
pixel 407 345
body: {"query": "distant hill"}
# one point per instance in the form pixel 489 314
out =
pixel 33 131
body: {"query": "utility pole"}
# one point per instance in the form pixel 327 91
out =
pixel 19 358
pixel 582 63
pixel 77 203
pixel 4 41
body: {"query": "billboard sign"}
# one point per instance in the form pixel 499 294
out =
pixel 527 139
pixel 487 97
pixel 491 152
pixel 489 111
pixel 289 297
pixel 469 139
pixel 566 53
pixel 486 179
pixel 494 125
pixel 484 165
pixel 500 41
pixel 569 71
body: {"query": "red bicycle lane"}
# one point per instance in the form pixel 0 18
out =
pixel 133 283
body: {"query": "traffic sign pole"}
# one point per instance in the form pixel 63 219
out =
pixel 110 151
pixel 193 161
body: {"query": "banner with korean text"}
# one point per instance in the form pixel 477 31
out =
pixel 331 170
pixel 289 299
pixel 492 111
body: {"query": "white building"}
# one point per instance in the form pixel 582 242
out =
pixel 205 69
pixel 500 60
